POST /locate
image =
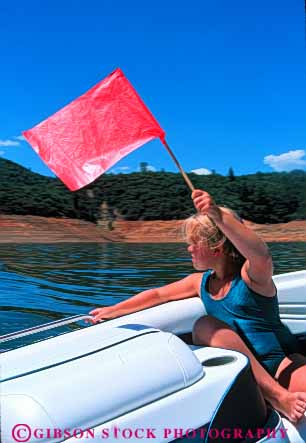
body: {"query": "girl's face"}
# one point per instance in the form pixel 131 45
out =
pixel 202 256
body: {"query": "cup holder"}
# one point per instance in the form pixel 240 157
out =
pixel 219 361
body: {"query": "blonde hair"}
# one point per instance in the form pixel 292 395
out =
pixel 201 229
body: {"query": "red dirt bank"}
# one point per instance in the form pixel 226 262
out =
pixel 32 229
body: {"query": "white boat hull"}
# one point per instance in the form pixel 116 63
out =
pixel 134 373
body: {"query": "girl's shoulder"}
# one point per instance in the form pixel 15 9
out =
pixel 200 279
pixel 197 279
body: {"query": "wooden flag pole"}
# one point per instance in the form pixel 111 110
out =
pixel 186 178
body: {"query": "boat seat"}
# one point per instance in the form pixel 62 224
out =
pixel 129 365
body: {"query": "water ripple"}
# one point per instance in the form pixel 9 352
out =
pixel 41 283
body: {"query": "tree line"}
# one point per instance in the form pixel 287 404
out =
pixel 262 197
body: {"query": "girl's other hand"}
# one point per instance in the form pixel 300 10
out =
pixel 100 314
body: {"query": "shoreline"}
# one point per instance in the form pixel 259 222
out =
pixel 35 229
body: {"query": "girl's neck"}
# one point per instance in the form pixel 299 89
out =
pixel 225 273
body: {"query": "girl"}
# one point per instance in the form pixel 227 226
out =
pixel 240 298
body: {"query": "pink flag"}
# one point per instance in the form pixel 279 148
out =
pixel 91 134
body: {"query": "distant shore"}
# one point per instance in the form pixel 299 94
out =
pixel 33 229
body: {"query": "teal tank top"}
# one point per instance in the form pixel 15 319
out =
pixel 255 318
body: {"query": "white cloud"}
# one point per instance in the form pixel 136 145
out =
pixel 201 171
pixel 123 168
pixel 20 137
pixel 120 170
pixel 287 161
pixel 9 143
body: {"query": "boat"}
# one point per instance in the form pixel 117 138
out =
pixel 139 377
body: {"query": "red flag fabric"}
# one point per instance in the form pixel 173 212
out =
pixel 91 134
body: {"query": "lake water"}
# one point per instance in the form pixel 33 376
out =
pixel 40 283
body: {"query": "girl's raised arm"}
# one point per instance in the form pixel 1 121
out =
pixel 258 265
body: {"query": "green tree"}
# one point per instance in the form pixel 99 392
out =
pixel 231 174
pixel 262 197
pixel 143 166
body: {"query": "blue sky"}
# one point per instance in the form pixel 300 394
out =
pixel 226 80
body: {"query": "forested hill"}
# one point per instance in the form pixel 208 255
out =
pixel 261 197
